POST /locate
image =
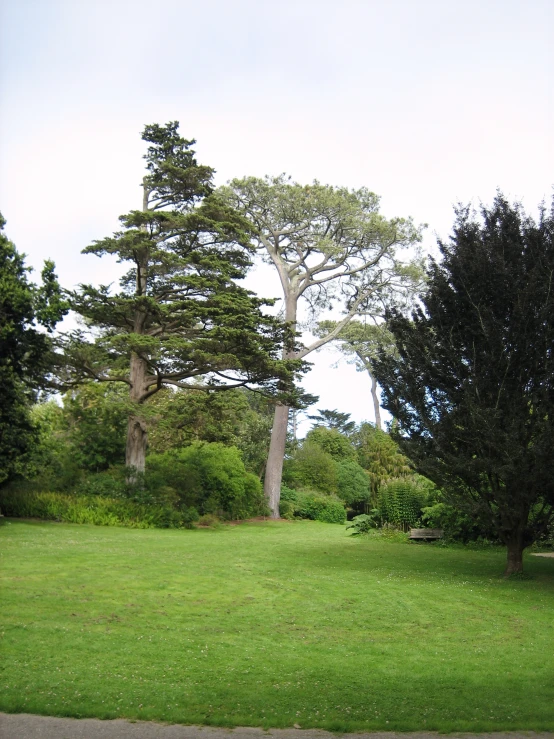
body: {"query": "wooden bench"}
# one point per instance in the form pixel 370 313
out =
pixel 426 533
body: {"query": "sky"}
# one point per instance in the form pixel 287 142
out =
pixel 426 102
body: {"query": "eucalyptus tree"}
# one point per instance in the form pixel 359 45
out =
pixel 179 313
pixel 472 384
pixel 361 343
pixel 329 246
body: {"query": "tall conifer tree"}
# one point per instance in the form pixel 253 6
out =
pixel 179 313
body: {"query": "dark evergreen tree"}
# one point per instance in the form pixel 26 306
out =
pixel 28 315
pixel 473 385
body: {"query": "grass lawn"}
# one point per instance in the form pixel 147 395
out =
pixel 272 624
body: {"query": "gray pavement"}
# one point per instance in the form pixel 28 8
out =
pixel 26 726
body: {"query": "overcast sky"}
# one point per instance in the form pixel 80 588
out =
pixel 427 103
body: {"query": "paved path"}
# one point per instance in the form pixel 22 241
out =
pixel 25 726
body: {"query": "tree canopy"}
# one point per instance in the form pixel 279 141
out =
pixel 333 419
pixel 330 246
pixel 472 386
pixel 28 315
pixel 179 313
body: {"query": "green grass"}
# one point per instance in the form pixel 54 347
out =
pixel 270 625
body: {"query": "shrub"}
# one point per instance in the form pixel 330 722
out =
pixel 210 477
pixel 332 442
pixel 209 521
pixel 379 454
pixel 286 509
pixel 352 482
pixel 106 484
pixel 400 502
pixel 94 510
pixel 314 468
pixel 457 524
pixel 313 505
pixel 364 523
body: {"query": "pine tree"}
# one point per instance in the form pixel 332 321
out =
pixel 179 313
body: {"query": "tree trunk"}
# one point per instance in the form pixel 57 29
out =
pixel 137 441
pixel 375 397
pixel 515 556
pixel 276 455
pixel 137 433
pixel 275 458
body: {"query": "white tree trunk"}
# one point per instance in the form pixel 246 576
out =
pixel 275 458
pixel 276 455
pixel 375 397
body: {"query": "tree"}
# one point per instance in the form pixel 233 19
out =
pixel 332 441
pixel 96 419
pixel 362 342
pixel 313 467
pixel 239 418
pixel 328 245
pixel 179 313
pixel 333 419
pixel 28 315
pixel 473 385
pixel 380 456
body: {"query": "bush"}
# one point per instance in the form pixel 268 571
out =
pixel 313 505
pixel 352 482
pixel 457 525
pixel 400 502
pixel 209 521
pixel 313 468
pixel 364 523
pixel 286 509
pixel 106 484
pixel 210 477
pixel 332 442
pixel 94 510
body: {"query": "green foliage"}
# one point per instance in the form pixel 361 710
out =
pixel 25 350
pixel 238 418
pixel 364 523
pixel 332 441
pixel 380 455
pixel 93 509
pixel 209 477
pixel 456 524
pixel 333 419
pixel 108 484
pixel 472 386
pixel 286 509
pixel 86 435
pixel 312 467
pixel 96 417
pixel 352 482
pixel 311 504
pixel 209 521
pixel 400 502
pixel 180 312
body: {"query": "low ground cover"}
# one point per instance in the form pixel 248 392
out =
pixel 272 624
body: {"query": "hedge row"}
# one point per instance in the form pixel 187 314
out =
pixel 311 504
pixel 93 509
